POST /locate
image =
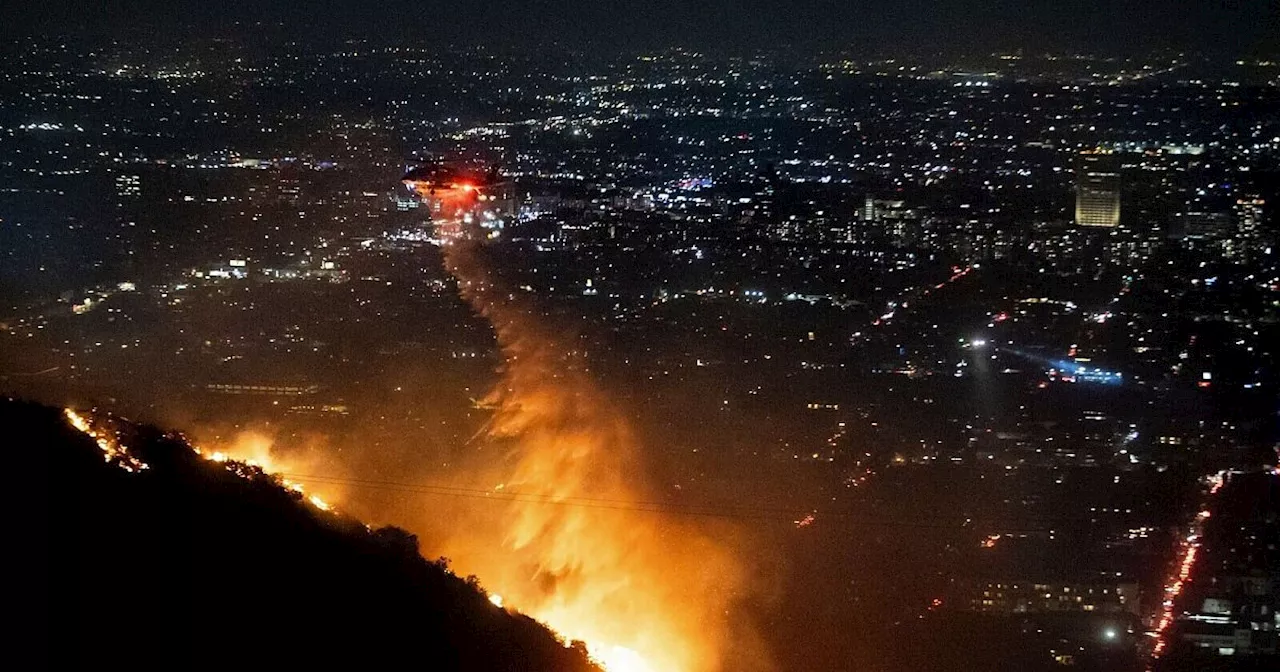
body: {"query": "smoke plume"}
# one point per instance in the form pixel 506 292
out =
pixel 646 591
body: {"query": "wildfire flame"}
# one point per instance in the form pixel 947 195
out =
pixel 254 449
pixel 645 594
pixel 108 442
pixel 115 451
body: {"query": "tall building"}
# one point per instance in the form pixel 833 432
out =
pixel 1097 190
pixel 128 186
pixel 1251 239
pixel 1249 218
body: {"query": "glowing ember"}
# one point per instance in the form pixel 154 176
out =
pixel 249 453
pixel 250 468
pixel 496 599
pixel 620 659
pixel 112 449
pixel 318 503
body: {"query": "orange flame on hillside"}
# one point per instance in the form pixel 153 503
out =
pixel 243 464
pixel 107 442
pixel 259 448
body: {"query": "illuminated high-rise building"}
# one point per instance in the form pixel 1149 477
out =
pixel 128 186
pixel 1251 239
pixel 1249 218
pixel 1097 190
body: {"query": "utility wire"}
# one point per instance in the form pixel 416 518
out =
pixel 676 508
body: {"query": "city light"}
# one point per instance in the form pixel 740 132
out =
pixel 692 348
pixel 1189 549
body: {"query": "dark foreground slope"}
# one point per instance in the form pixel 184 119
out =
pixel 188 566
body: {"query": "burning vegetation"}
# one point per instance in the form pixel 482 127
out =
pixel 160 556
pixel 646 593
pixel 569 532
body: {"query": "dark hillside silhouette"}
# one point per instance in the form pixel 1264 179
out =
pixel 188 566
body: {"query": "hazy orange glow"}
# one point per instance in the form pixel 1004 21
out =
pixel 646 593
pixel 257 449
pixel 566 542
pixel 243 464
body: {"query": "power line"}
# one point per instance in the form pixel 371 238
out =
pixel 489 493
pixel 676 508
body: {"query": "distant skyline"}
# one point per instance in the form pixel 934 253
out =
pixel 1226 27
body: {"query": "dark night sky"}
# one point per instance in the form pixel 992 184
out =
pixel 892 26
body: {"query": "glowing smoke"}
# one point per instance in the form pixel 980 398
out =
pixel 293 458
pixel 645 592
pixel 562 539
